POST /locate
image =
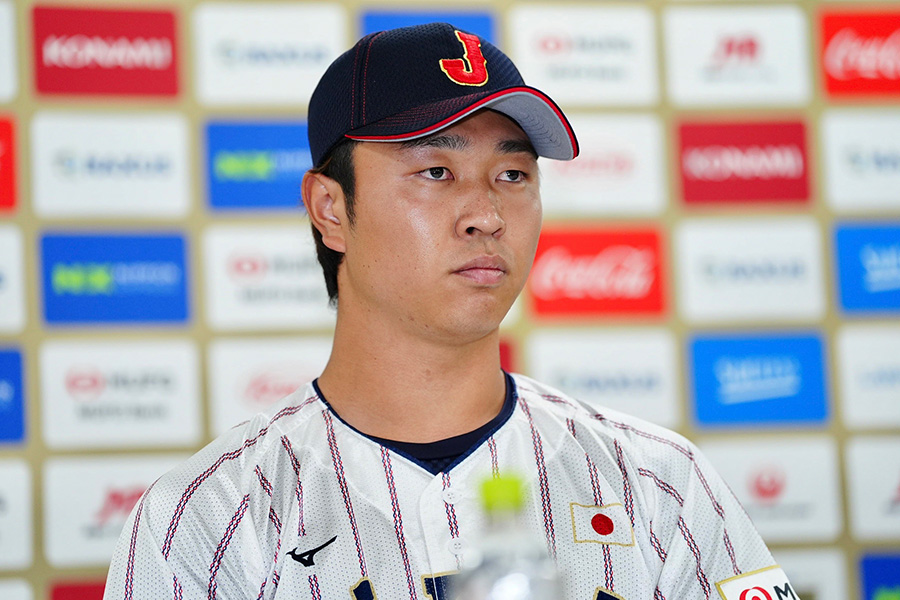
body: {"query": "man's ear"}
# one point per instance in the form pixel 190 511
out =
pixel 325 205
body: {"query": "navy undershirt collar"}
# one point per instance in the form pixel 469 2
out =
pixel 442 455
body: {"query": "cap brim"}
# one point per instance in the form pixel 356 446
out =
pixel 538 116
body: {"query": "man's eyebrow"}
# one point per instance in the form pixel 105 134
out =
pixel 447 141
pixel 516 146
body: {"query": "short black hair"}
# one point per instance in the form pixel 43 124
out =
pixel 336 165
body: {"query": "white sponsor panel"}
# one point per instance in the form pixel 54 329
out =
pixel 586 55
pixel 737 55
pixel 87 501
pixel 16 529
pixel 12 288
pixel 821 574
pixel 120 394
pixel 873 474
pixel 788 486
pixel 264 278
pixel 620 170
pixel 246 376
pixel 101 165
pixel 8 61
pixel 862 159
pixel 15 589
pixel 869 369
pixel 265 53
pixel 633 371
pixel 750 269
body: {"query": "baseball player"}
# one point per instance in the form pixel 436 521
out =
pixel 425 207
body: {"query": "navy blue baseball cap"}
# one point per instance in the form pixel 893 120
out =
pixel 410 82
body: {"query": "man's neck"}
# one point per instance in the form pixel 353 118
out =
pixel 398 386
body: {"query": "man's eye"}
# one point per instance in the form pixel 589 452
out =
pixel 512 175
pixel 437 173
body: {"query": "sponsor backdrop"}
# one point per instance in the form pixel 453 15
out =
pixel 723 259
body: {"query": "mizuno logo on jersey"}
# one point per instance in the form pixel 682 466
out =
pixel 306 558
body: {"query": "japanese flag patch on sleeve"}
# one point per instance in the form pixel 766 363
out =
pixel 764 584
pixel 607 524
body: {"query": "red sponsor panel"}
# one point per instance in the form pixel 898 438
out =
pixel 861 53
pixel 744 162
pixel 99 51
pixel 7 165
pixel 593 272
pixel 80 590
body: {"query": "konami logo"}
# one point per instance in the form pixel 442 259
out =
pixel 744 162
pixel 861 53
pixel 593 272
pixel 100 51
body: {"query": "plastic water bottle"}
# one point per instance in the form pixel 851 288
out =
pixel 509 562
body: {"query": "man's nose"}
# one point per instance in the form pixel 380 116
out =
pixel 481 213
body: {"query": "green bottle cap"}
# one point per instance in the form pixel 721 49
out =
pixel 501 494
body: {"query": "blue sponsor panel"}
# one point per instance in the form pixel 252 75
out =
pixel 880 574
pixel 12 397
pixel 759 380
pixel 114 278
pixel 868 264
pixel 256 166
pixel 479 23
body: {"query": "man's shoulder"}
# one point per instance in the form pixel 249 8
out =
pixel 633 435
pixel 233 460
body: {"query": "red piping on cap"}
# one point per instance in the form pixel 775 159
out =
pixel 440 124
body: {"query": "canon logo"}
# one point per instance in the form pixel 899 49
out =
pixel 719 163
pixel 616 272
pixel 851 56
pixel 82 51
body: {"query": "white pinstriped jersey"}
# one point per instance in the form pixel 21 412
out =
pixel 628 509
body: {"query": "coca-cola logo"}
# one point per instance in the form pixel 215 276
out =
pixel 85 383
pixel 100 51
pixel 861 53
pixel 268 387
pixel 744 162
pixel 768 483
pixel 596 272
pixel 615 272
